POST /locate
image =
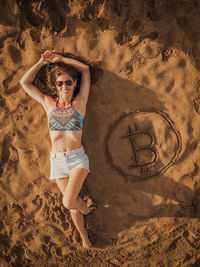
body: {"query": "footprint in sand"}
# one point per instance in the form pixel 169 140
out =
pixel 15 54
pixel 9 152
pixel 10 85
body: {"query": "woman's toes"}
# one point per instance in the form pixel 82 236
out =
pixel 86 211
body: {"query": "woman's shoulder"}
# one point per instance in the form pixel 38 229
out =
pixel 49 103
pixel 79 106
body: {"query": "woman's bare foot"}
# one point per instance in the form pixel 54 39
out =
pixel 85 211
pixel 86 242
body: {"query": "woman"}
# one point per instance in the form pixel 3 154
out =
pixel 69 162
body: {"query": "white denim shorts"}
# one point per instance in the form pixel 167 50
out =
pixel 62 163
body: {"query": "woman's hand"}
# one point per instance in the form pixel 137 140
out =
pixel 50 57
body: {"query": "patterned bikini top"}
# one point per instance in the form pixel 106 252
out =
pixel 67 119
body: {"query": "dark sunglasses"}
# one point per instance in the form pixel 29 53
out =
pixel 67 82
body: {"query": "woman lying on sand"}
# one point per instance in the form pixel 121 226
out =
pixel 69 162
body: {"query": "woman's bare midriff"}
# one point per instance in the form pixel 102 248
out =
pixel 63 141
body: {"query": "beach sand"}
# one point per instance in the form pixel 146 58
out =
pixel 141 134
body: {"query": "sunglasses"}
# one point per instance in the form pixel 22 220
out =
pixel 67 82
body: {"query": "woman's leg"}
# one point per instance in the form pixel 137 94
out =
pixel 71 199
pixel 78 220
pixel 76 215
pixel 77 206
pixel 62 184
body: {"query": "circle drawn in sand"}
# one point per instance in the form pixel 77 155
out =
pixel 142 144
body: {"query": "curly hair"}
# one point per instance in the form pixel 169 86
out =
pixel 46 77
pixel 56 69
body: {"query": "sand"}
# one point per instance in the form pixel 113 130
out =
pixel 141 134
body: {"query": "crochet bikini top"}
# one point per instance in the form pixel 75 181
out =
pixel 67 119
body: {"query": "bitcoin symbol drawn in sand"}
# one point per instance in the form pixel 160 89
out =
pixel 142 144
pixel 151 157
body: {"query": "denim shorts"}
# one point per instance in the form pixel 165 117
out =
pixel 62 163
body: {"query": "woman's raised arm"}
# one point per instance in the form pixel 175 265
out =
pixel 28 78
pixel 84 69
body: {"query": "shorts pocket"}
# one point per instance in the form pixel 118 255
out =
pixel 79 159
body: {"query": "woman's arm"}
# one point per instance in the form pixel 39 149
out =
pixel 83 94
pixel 81 67
pixel 28 78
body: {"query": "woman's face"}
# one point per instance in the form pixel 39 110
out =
pixel 65 84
